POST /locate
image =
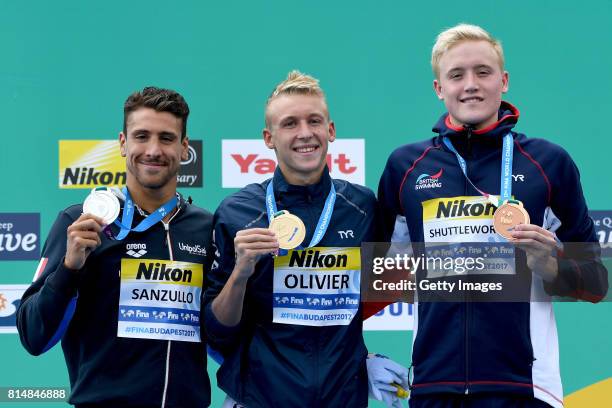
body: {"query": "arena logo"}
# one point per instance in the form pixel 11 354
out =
pixel 19 236
pixel 246 161
pixel 136 250
pixel 94 163
pixel 429 181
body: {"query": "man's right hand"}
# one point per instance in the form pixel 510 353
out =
pixel 250 245
pixel 83 237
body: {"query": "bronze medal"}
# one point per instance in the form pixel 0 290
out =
pixel 289 229
pixel 507 216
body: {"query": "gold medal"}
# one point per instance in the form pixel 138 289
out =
pixel 507 216
pixel 289 230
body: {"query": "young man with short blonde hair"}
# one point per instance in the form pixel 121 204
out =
pixel 289 327
pixel 488 354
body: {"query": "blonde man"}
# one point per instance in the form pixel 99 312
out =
pixel 488 354
pixel 289 328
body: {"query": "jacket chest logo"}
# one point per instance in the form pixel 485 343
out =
pixel 429 181
pixel 136 250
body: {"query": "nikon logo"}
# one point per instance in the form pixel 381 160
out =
pixel 89 176
pixel 314 259
pixel 159 272
pixel 458 208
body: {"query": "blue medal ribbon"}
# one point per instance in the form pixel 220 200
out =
pixel 506 168
pixel 322 224
pixel 152 219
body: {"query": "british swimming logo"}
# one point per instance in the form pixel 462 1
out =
pixel 429 181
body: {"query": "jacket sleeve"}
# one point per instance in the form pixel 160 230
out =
pixel 581 272
pixel 388 212
pixel 219 336
pixel 389 206
pixel 48 305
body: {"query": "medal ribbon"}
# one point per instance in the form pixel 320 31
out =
pixel 324 219
pixel 506 170
pixel 148 222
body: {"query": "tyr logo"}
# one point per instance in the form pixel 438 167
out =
pixel 346 234
pixel 518 177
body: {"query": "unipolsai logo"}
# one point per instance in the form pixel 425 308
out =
pixel 429 181
pixel 195 249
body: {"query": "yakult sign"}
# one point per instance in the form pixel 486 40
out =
pixel 246 161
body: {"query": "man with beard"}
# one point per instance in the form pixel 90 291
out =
pixel 123 300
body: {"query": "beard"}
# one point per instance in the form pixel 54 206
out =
pixel 155 180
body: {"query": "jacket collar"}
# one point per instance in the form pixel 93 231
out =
pixel 312 191
pixel 487 138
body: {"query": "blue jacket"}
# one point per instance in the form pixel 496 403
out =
pixel 269 364
pixel 81 309
pixel 491 347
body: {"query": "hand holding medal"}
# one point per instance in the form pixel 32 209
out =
pixel 507 216
pixel 102 203
pixel 289 229
pixel 100 208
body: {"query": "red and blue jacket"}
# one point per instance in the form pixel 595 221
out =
pixel 463 347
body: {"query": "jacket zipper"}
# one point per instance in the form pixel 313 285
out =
pixel 468 130
pixel 171 254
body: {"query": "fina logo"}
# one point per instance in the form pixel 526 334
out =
pixel 427 181
pixel 192 156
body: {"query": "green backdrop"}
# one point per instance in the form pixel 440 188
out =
pixel 68 66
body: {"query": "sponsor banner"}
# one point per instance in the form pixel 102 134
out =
pixel 190 173
pixel 95 163
pixel 603 230
pixel 246 161
pixel 465 219
pixel 317 286
pixel 90 163
pixel 476 258
pixel 10 298
pixel 398 316
pixel 19 236
pixel 160 299
pixel 458 219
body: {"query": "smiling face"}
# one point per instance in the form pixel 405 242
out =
pixel 153 150
pixel 299 130
pixel 471 83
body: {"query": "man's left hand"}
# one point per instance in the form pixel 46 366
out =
pixel 539 245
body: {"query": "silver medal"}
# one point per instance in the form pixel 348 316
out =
pixel 102 204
